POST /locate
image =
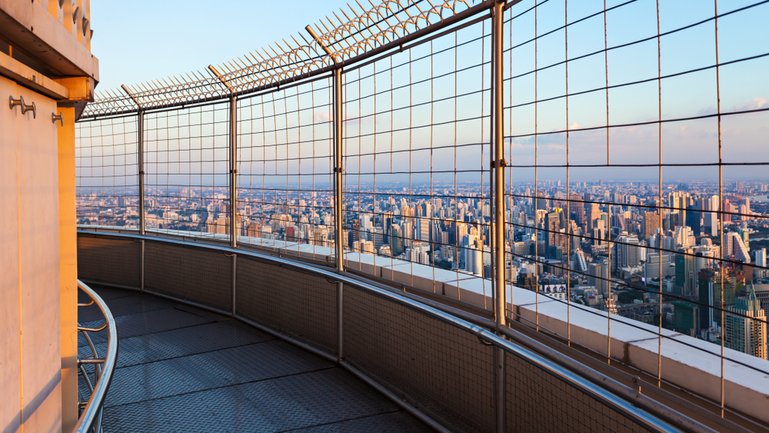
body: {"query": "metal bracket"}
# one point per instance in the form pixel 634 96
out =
pixel 221 79
pixel 338 169
pixel 501 163
pixel 131 95
pixel 57 118
pixel 322 45
pixel 13 103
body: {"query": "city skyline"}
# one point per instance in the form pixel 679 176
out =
pixel 635 178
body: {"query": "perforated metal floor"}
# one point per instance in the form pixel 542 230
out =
pixel 182 369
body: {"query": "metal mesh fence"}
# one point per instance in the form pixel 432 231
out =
pixel 441 368
pixel 107 164
pixel 416 152
pixel 633 172
pixel 186 170
pixel 635 194
pixel 285 185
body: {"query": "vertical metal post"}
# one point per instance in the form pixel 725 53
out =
pixel 498 222
pixel 139 153
pixel 142 219
pixel 234 285
pixel 338 170
pixel 498 166
pixel 339 238
pixel 233 145
pixel 140 161
pixel 234 171
pixel 338 208
pixel 141 265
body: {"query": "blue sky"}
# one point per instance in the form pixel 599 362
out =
pixel 154 39
pixel 148 39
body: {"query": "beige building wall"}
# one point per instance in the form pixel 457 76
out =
pixel 30 240
pixel 10 313
pixel 45 58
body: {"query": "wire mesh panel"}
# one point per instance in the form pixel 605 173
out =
pixel 187 170
pixel 195 274
pixel 444 370
pixel 552 405
pixel 416 152
pixel 109 261
pixel 106 158
pixel 297 303
pixel 635 192
pixel 285 151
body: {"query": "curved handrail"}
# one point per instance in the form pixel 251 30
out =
pixel 91 412
pixel 651 416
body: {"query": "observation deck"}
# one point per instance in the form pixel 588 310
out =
pixel 493 216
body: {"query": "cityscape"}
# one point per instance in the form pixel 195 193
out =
pixel 385 216
pixel 605 248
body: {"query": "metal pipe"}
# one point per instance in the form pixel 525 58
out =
pixel 338 170
pixel 142 247
pixel 221 78
pixel 338 208
pixel 233 171
pixel 323 46
pixel 234 284
pixel 498 165
pixel 233 145
pixel 340 321
pixel 498 222
pixel 140 162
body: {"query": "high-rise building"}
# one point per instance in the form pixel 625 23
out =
pixel 599 277
pixel 396 240
pixel 686 272
pixel 473 254
pixel 685 317
pixel 423 229
pixel 651 224
pixel 628 251
pixel 706 296
pixel 759 259
pixel 735 247
pixel 746 325
pixel 656 264
pixel 694 219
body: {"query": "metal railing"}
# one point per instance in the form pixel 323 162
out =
pixel 95 371
pixel 451 155
pixel 625 401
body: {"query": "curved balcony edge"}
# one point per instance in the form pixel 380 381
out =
pixel 197 273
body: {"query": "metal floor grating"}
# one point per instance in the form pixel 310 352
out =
pixel 181 369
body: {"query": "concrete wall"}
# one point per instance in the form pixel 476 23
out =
pixel 30 310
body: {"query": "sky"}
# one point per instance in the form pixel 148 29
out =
pixel 154 39
pixel 157 38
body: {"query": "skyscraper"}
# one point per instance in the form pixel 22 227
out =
pixel 746 330
pixel 736 248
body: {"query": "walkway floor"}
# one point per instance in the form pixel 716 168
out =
pixel 182 369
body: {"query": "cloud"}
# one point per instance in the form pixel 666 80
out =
pixel 759 102
pixel 756 103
